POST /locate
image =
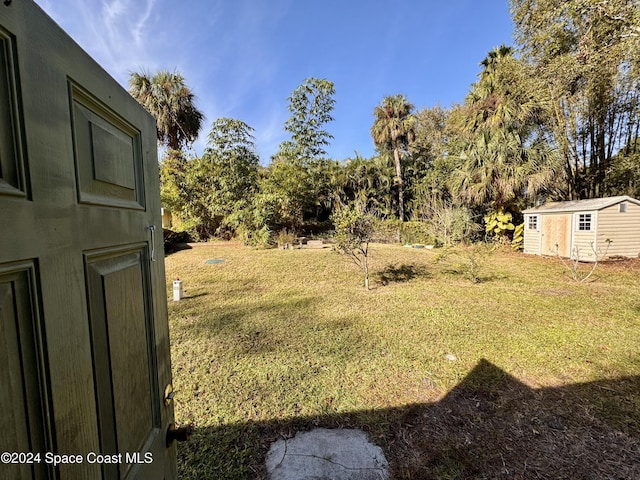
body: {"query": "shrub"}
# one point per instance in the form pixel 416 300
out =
pixel 386 231
pixel 417 232
pixel 447 224
pixel 171 239
pixel 517 243
pixel 470 262
pixel 285 238
pixel 499 223
pixel 260 238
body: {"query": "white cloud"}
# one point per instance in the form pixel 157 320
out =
pixel 221 47
pixel 116 33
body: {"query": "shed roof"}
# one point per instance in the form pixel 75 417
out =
pixel 581 205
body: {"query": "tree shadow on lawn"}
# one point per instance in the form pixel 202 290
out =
pixel 489 426
pixel 231 320
pixel 472 278
pixel 245 328
pixel 401 273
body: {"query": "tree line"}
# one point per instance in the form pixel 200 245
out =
pixel 554 117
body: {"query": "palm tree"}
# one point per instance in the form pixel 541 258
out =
pixel 167 98
pixel 504 159
pixel 393 130
pixel 499 169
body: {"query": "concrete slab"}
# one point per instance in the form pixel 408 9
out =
pixel 322 454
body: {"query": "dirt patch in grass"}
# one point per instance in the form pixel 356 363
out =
pixel 621 264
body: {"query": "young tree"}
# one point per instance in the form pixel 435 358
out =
pixel 167 98
pixel 354 232
pixel 392 131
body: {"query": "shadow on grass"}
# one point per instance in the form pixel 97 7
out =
pixel 190 297
pixel 241 327
pixel 401 273
pixel 489 426
pixel 464 273
pixel 229 319
pixel 175 247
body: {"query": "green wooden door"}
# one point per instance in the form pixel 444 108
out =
pixel 84 347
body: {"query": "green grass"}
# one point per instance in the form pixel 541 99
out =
pixel 272 341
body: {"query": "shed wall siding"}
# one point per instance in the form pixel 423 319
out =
pixel 622 228
pixel 531 237
pixel 584 243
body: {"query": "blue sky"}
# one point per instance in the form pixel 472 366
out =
pixel 243 58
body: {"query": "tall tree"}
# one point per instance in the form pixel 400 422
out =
pixel 430 140
pixel 185 188
pixel 212 194
pixel 392 131
pixel 433 146
pixel 231 136
pixel 623 175
pixel 310 105
pixel 297 180
pixel 503 158
pixel 231 163
pixel 168 99
pixel 585 71
pixel 287 189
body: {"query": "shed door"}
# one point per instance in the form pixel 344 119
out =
pixel 83 321
pixel 556 235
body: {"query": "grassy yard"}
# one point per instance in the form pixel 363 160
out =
pixel 525 374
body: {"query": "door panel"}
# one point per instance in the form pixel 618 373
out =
pixel 123 353
pixel 12 174
pixel 23 396
pixel 107 154
pixel 79 294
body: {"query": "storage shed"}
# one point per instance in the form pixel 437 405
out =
pixel 167 218
pixel 582 227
